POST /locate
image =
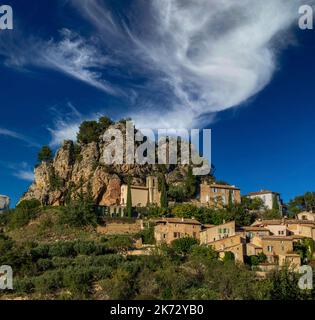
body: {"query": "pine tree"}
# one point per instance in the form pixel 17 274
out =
pixel 163 200
pixel 45 154
pixel 129 199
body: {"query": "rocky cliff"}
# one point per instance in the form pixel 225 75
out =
pixel 76 167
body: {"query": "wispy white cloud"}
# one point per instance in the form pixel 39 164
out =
pixel 196 59
pixel 15 135
pixel 22 171
pixel 71 54
pixel 66 124
pixel 204 57
pixel 26 175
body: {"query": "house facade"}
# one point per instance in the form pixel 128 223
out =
pixel 217 195
pixel 169 229
pixel 235 244
pixel 288 227
pixel 306 216
pixel 268 197
pixel 214 233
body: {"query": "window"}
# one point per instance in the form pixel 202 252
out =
pixel 269 248
pixel 176 235
pixel 194 235
pixel 215 190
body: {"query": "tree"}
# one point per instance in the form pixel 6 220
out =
pixel 184 245
pixel 301 203
pixel 177 193
pixel 45 154
pixel 230 200
pixel 275 203
pixel 79 212
pixel 190 183
pixel 163 199
pixel 228 257
pixel 270 214
pixel 88 132
pixel 103 124
pixel 129 199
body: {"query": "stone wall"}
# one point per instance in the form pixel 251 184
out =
pixel 121 227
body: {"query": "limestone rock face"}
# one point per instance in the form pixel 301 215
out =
pixel 4 203
pixel 112 194
pixel 63 162
pixel 79 167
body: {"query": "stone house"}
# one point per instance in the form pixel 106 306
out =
pixel 215 233
pixel 235 244
pixel 306 216
pixel 250 232
pixel 267 198
pixel 273 247
pixel 287 227
pixel 291 260
pixel 217 195
pixel 169 229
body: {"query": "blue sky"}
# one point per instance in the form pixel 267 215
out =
pixel 243 69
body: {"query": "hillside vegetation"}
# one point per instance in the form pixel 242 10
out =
pixel 53 259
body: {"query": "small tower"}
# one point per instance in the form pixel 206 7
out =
pixel 153 189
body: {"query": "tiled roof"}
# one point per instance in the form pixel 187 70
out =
pixel 254 228
pixel 281 222
pixel 178 220
pixel 261 192
pixel 277 238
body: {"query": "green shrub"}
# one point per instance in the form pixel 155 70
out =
pixel 147 235
pixel 48 282
pixel 23 286
pixel 41 251
pixel 120 244
pixel 25 211
pixel 62 249
pixel 78 214
pixel 44 264
pixel 78 280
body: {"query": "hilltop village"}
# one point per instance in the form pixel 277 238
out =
pixel 82 220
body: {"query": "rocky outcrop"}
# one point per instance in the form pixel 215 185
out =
pixel 4 203
pixel 77 167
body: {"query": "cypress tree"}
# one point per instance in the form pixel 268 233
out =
pixel 275 203
pixel 230 200
pixel 163 194
pixel 190 183
pixel 129 199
